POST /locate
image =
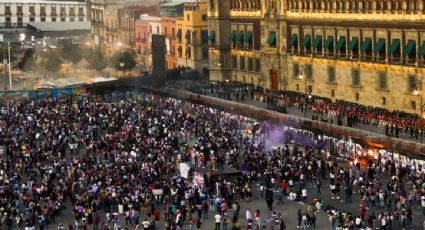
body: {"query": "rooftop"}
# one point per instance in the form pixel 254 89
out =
pixel 176 3
pixel 59 26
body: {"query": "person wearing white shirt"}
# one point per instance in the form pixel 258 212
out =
pixel 248 216
pixel 217 218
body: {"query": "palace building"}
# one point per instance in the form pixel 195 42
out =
pixel 370 52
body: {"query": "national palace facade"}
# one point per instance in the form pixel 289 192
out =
pixel 370 52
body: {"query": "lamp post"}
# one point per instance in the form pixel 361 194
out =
pixel 301 77
pixel 9 67
pixel 122 64
pixel 418 91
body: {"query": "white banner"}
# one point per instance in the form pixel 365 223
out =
pixel 184 170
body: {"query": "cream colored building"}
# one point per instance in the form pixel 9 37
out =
pixel 365 51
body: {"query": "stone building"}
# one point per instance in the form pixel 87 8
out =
pixel 365 51
pixel 192 37
pixel 18 13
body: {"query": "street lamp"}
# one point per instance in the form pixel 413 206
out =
pixel 301 77
pixel 418 91
pixel 122 64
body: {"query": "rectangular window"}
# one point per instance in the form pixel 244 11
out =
pixel 355 77
pixel 204 17
pixel 297 87
pixel 157 30
pixel 413 105
pixel 250 64
pixel 235 62
pixel 331 74
pixel 332 93
pixel 295 70
pixel 382 80
pixel 309 71
pixel 165 31
pixel 357 97
pixel 412 83
pixel 257 65
pixel 384 101
pixel 242 63
pixel 205 52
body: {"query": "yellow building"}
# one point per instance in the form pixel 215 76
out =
pixel 365 51
pixel 192 37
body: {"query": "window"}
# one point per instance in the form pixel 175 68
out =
pixel 382 80
pixel 332 93
pixel 295 70
pixel 7 11
pixel 355 77
pixel 205 52
pixel 212 4
pixel 309 71
pixel 19 11
pixel 297 87
pixel 411 83
pixel 250 64
pixel 413 105
pixel 357 96
pixel 157 29
pixel 204 17
pixel 384 101
pixel 235 62
pixel 257 65
pixel 242 63
pixel 188 17
pixel 165 31
pixel 331 74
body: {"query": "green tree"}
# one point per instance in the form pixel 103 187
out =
pixel 72 52
pixel 124 61
pixel 97 60
pixel 52 60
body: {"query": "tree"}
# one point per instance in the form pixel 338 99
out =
pixel 53 60
pixel 124 61
pixel 72 52
pixel 28 61
pixel 96 60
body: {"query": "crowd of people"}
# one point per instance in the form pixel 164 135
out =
pixel 115 165
pixel 339 111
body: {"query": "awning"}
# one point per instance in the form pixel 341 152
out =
pixel 241 36
pixel 272 38
pixel 380 45
pixel 232 36
pixel 395 46
pixel 306 41
pixel 317 41
pixel 410 47
pixel 187 36
pixel 249 36
pixel 367 44
pixel 211 37
pixel 353 43
pixel 293 40
pixel 179 34
pixel 341 43
pixel 330 43
pixel 422 50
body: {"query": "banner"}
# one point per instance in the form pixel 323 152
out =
pixel 198 179
pixel 184 170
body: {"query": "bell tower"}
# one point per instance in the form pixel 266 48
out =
pixel 219 45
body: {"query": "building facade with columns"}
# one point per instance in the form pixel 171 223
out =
pixel 370 52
